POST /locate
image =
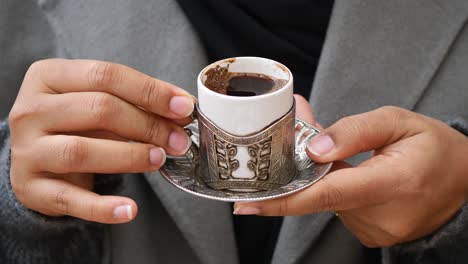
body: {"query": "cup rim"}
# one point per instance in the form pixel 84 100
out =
pixel 246 98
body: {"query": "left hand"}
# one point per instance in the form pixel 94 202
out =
pixel 416 180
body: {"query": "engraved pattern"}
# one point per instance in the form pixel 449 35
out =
pixel 259 163
pixel 225 154
pixel 271 151
pixel 282 149
pixel 186 174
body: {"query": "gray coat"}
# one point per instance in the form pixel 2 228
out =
pixel 412 54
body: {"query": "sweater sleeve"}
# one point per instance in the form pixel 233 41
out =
pixel 449 244
pixel 29 237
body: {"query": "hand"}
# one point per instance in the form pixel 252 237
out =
pixel 73 118
pixel 416 180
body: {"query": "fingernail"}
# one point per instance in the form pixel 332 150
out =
pixel 179 141
pixel 157 156
pixel 321 145
pixel 181 105
pixel 246 210
pixel 123 212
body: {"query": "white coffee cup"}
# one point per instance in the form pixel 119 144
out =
pixel 241 116
pixel 244 117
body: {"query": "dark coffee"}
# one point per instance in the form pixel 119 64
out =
pixel 220 80
pixel 249 85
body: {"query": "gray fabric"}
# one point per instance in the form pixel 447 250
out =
pixel 297 235
pixel 406 53
pixel 441 247
pixel 206 224
pixel 460 124
pixel 153 228
pixel 388 53
pixel 337 245
pixel 26 37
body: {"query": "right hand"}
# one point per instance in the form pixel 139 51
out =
pixel 73 118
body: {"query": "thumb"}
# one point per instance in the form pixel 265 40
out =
pixel 360 133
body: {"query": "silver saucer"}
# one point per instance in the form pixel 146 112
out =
pixel 183 172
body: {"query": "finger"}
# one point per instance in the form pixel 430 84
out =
pixel 99 134
pixel 89 155
pixel 304 110
pixel 183 121
pixel 159 97
pixel 56 197
pixel 100 111
pixel 361 133
pixel 343 189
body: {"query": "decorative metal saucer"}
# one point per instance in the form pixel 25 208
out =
pixel 184 172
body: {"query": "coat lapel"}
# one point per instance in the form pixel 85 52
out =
pixel 296 236
pixel 376 53
pixel 382 53
pixel 207 225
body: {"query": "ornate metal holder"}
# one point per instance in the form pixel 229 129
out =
pixel 256 162
pixel 185 172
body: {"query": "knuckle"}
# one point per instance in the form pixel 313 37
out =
pixel 381 241
pixel 396 231
pixel 24 108
pixel 330 198
pixel 16 114
pixel 103 107
pixel 20 189
pixel 103 74
pixel 134 157
pixel 400 232
pixel 154 129
pixel 368 243
pixel 375 240
pixel 24 111
pixel 392 110
pixel 356 127
pixel 39 68
pixel 354 124
pixel 150 93
pixel 395 115
pixel 61 201
pixel 74 154
pixel 93 212
pixel 389 109
pixel 283 206
pixel 36 66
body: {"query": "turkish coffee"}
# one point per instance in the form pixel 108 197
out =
pixel 221 80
